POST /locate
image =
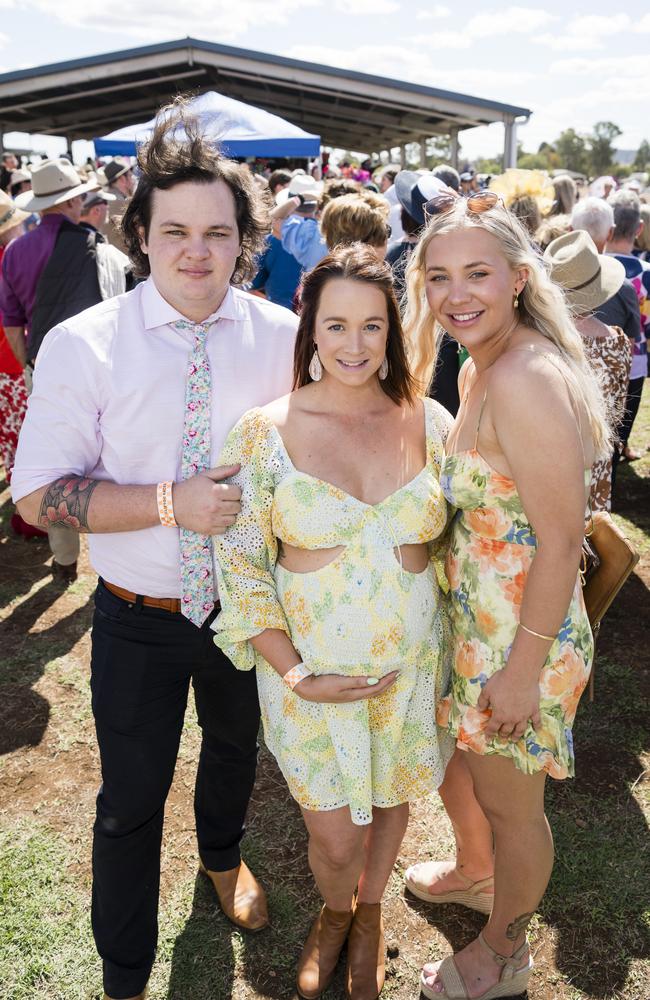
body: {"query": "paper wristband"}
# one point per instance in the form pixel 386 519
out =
pixel 165 505
pixel 296 674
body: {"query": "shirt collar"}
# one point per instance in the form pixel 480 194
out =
pixel 157 311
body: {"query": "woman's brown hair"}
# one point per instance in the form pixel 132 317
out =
pixel 177 152
pixel 355 262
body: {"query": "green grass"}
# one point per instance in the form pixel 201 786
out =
pixel 46 945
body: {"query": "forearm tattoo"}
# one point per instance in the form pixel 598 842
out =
pixel 66 501
pixel 518 926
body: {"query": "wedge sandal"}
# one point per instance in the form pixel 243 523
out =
pixel 474 894
pixel 512 980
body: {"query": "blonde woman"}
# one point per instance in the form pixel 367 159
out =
pixel 531 422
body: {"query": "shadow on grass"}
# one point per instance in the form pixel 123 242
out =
pixel 211 955
pixel 598 896
pixel 203 959
pixel 24 713
pixel 630 496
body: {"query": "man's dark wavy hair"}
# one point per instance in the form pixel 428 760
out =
pixel 176 152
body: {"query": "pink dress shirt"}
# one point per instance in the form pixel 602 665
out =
pixel 108 402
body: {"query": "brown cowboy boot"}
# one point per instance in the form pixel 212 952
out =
pixel 241 897
pixel 317 963
pixel 366 953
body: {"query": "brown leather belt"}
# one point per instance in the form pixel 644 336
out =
pixel 172 604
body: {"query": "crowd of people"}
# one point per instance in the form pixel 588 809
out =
pixel 332 442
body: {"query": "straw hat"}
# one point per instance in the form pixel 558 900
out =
pixel 587 277
pixel 10 214
pixel 53 182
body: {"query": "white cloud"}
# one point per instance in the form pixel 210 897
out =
pixel 403 63
pixel 644 24
pixel 491 24
pixel 588 33
pixel 164 19
pixel 432 13
pixel 601 67
pixel 367 7
pixel 517 20
pixel 444 40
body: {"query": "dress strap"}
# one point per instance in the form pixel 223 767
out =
pixel 478 423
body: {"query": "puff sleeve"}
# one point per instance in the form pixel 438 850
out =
pixel 246 554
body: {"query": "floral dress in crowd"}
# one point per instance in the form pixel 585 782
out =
pixel 360 614
pixel 491 552
pixel 610 357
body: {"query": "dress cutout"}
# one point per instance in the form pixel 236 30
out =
pixel 360 614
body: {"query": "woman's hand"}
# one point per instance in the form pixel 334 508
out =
pixel 336 688
pixel 513 703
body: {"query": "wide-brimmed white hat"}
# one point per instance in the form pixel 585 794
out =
pixel 53 182
pixel 19 176
pixel 588 278
pixel 10 214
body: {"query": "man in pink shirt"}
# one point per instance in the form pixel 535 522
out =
pixel 132 402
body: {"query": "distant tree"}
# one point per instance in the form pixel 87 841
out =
pixel 533 161
pixel 489 166
pixel 439 150
pixel 572 151
pixel 642 158
pixel 601 147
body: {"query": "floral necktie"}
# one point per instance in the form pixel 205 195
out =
pixel 197 584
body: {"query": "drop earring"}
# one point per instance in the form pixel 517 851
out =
pixel 315 367
pixel 383 369
pixel 516 301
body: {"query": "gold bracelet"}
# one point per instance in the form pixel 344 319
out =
pixel 538 635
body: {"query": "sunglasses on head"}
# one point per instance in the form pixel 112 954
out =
pixel 482 201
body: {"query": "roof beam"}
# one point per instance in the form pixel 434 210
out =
pixel 310 79
pixel 96 91
pixel 97 72
pixel 111 115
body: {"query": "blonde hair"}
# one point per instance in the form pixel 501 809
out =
pixel 355 218
pixel 542 307
pixel 566 195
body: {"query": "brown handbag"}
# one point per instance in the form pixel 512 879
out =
pixel 608 560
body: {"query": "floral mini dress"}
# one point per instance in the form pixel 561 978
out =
pixel 491 550
pixel 360 614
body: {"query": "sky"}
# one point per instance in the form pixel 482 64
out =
pixel 572 64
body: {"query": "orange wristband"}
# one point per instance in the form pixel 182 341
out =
pixel 165 505
pixel 296 674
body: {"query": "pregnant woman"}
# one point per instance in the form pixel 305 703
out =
pixel 329 586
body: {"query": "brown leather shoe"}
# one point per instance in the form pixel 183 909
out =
pixel 319 957
pixel 365 973
pixel 241 897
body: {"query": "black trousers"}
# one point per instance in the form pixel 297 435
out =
pixel 142 662
pixel 624 429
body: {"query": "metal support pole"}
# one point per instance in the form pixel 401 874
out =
pixel 2 140
pixel 454 147
pixel 423 152
pixel 510 145
pixel 402 155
